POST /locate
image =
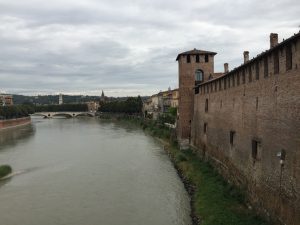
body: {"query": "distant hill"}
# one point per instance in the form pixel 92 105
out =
pixel 67 99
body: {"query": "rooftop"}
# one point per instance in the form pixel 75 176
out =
pixel 196 52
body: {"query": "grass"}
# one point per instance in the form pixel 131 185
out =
pixel 5 170
pixel 216 202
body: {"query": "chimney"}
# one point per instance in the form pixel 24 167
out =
pixel 273 40
pixel 225 67
pixel 246 56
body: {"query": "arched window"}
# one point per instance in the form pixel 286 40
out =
pixel 199 75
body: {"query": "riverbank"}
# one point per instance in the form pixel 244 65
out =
pixel 213 200
pixel 10 123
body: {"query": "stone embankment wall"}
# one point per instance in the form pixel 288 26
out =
pixel 248 123
pixel 14 122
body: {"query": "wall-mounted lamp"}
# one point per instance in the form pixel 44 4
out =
pixel 281 155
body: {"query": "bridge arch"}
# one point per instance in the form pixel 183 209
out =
pixel 44 115
pixel 67 115
pixel 85 114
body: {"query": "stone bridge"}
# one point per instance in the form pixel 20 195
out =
pixel 65 114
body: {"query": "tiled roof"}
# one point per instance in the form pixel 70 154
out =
pixel 196 52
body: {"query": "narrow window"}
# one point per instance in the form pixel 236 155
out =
pixel 206 105
pixel 198 76
pixel 256 103
pixel 188 58
pixel 205 128
pixel 216 85
pixel 197 58
pixel 206 58
pixel 255 144
pixel 232 134
pixel 225 84
pixel 238 78
pixel 220 85
pixel 250 74
pixel 276 62
pixel 257 71
pixel 254 149
pixel 229 78
pixel 266 69
pixel 288 57
pixel 243 76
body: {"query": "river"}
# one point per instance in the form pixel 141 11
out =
pixel 88 172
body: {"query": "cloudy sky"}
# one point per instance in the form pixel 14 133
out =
pixel 127 47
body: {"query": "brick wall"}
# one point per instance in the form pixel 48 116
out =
pixel 186 91
pixel 249 120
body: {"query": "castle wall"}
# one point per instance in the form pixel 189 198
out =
pixel 239 114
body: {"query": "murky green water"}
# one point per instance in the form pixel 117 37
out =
pixel 88 172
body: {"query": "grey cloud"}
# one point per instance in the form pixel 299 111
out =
pixel 127 47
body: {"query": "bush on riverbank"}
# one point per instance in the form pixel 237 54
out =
pixel 15 111
pixel 61 108
pixel 5 170
pixel 19 111
pixel 215 201
pixel 132 105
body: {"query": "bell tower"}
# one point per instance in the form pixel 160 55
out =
pixel 194 67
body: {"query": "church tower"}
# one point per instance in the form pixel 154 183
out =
pixel 60 99
pixel 195 67
pixel 102 98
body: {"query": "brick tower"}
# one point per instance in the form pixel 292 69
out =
pixel 195 66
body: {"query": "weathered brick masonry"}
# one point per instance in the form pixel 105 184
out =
pixel 248 123
pixel 189 64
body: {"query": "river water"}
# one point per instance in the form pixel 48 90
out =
pixel 88 172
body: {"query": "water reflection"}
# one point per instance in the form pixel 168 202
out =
pixel 86 171
pixel 12 136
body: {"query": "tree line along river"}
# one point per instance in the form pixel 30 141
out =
pixel 86 172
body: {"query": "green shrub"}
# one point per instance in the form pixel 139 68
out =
pixel 180 158
pixel 5 170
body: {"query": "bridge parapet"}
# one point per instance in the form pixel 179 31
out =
pixel 66 114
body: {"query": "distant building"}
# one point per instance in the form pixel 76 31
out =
pixel 92 106
pixel 6 100
pixel 160 103
pixel 175 98
pixel 60 100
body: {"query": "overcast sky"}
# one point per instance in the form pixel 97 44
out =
pixel 127 47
